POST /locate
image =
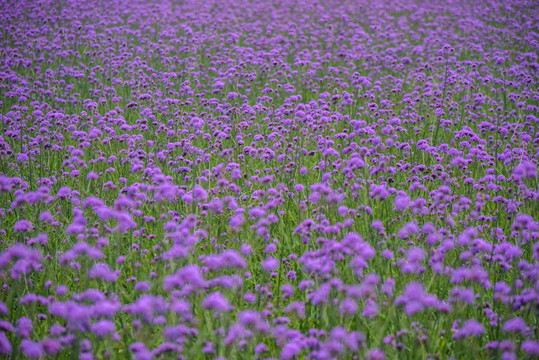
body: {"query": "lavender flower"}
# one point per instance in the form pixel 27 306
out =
pixel 216 301
pixel 516 324
pixel 23 226
pixel 470 328
pixel 5 345
pixel 32 349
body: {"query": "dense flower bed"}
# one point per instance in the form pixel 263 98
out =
pixel 288 179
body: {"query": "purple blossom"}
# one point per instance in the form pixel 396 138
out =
pixel 31 349
pixel 348 306
pixel 470 328
pixel 51 346
pixel 415 299
pixel 526 169
pixel 530 347
pixel 376 354
pixel 199 194
pixel 143 286
pixel 462 294
pixel 270 264
pixel 104 272
pixel 516 324
pixel 23 226
pixel 216 301
pixel 5 345
pixel 24 327
pixel 103 327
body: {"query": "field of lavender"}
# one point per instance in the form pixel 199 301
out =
pixel 286 179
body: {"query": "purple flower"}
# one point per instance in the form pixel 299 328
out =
pixel 414 259
pixel 31 349
pixel 5 345
pixel 199 194
pixel 415 299
pixel 378 225
pixel 401 202
pixel 298 307
pixel 46 217
pixel 216 301
pixel 516 324
pixel 378 192
pixel 376 354
pixel 260 348
pixel 467 236
pixel 348 307
pixel 22 158
pixel 57 329
pixel 459 162
pixel 526 169
pixel 287 290
pixel 92 175
pixel 23 226
pixel 320 295
pixel 51 346
pixel 103 328
pixel 270 264
pixel 3 308
pixel 290 350
pixel 531 347
pixel 63 192
pixel 104 272
pixel 387 287
pixel 189 278
pixel 462 294
pixel 24 327
pixel 140 352
pixel 470 328
pixel 227 259
pixel 370 309
pixel 408 230
pixel 143 286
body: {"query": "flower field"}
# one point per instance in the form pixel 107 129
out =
pixel 235 179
